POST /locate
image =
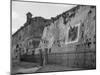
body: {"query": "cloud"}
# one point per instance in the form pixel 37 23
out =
pixel 15 15
pixel 14 30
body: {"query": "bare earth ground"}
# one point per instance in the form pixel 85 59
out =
pixel 56 68
pixel 24 67
pixel 27 67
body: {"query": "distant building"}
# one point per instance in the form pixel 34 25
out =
pixel 29 35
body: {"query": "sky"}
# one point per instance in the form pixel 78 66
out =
pixel 46 10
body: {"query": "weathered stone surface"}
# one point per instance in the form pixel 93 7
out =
pixel 78 50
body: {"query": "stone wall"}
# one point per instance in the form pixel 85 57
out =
pixel 73 53
pixel 74 59
pixel 28 36
pixel 84 16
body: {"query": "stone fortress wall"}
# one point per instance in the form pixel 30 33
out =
pixel 78 49
pixel 71 37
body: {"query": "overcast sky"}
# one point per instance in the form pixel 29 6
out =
pixel 19 10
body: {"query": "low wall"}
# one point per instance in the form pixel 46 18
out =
pixel 81 59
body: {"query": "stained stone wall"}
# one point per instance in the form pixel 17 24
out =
pixel 85 17
pixel 28 36
pixel 76 53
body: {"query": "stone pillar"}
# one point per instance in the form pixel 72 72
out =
pixel 41 57
pixel 46 56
